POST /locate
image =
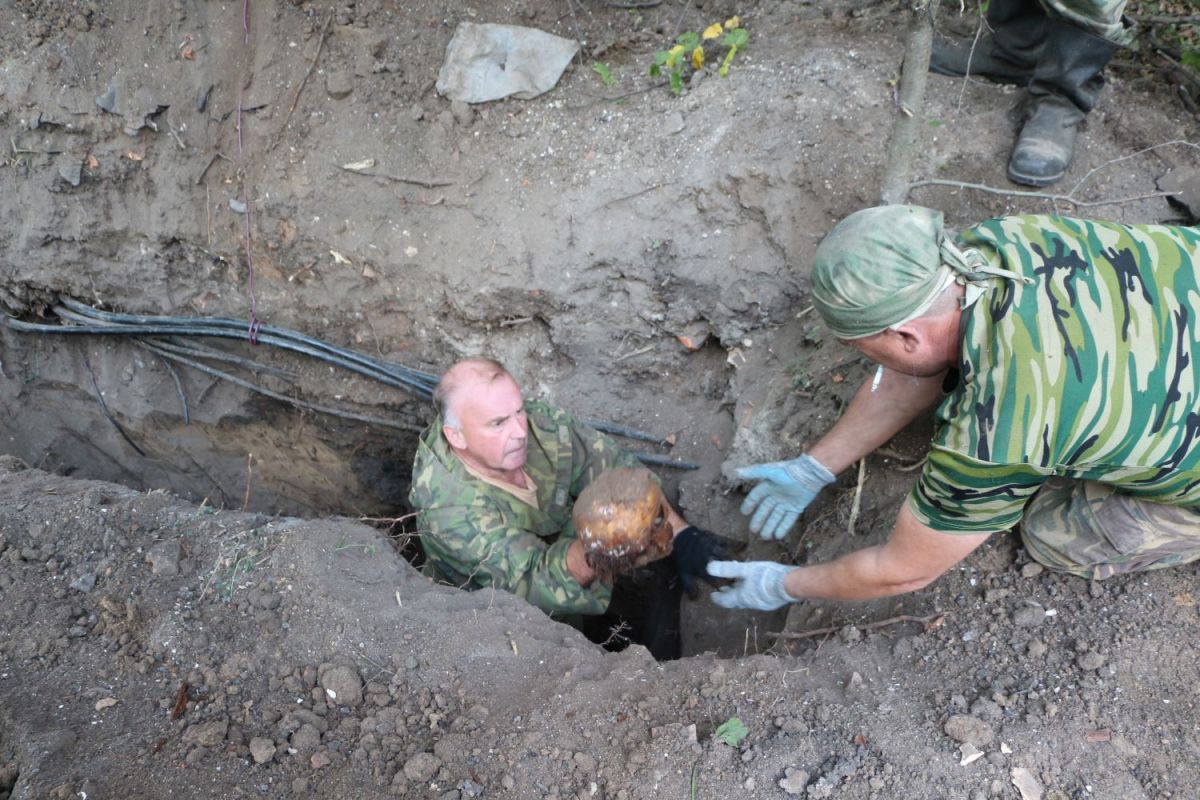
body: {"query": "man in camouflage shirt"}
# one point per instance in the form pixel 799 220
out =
pixel 1070 349
pixel 494 483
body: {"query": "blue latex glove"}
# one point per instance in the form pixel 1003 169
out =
pixel 786 490
pixel 757 584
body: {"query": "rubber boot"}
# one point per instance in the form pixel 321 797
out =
pixel 1006 52
pixel 1064 88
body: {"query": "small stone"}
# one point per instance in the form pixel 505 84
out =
pixel 968 729
pixel 1090 661
pixel 1037 648
pixel 262 749
pixel 306 739
pixel 207 734
pixel 794 780
pixel 1029 616
pixel 339 84
pixel 84 583
pixel 342 685
pixel 70 168
pixel 1032 570
pixel 969 753
pixel 320 759
pixel 422 767
pixel 673 123
pixel 416 113
pixel 163 557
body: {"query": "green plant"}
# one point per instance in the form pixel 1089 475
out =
pixel 731 732
pixel 604 72
pixel 689 51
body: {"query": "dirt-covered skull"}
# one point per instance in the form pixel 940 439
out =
pixel 621 519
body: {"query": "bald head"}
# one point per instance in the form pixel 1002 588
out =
pixel 482 372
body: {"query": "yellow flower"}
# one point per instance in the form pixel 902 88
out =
pixel 673 56
pixel 733 22
pixel 698 58
pixel 712 31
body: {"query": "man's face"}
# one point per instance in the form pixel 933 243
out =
pixel 493 428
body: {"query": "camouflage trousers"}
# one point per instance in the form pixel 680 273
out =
pixel 1101 17
pixel 1090 530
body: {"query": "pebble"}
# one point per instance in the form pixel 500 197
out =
pixel 1037 648
pixel 339 84
pixel 422 767
pixel 262 749
pixel 320 759
pixel 163 557
pixel 794 780
pixel 964 728
pixel 207 734
pixel 1029 616
pixel 1032 570
pixel 306 739
pixel 342 685
pixel 84 583
pixel 1090 660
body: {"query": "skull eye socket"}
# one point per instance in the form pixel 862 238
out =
pixel 659 520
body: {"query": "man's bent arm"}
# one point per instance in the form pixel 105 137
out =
pixel 913 557
pixel 873 417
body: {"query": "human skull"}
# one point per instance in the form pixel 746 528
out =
pixel 621 519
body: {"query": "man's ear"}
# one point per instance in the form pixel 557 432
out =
pixel 454 437
pixel 910 338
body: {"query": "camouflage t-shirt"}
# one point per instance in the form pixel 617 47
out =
pixel 478 535
pixel 1090 372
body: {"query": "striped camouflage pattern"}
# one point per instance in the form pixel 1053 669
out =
pixel 1101 17
pixel 477 535
pixel 1089 373
pixel 1093 531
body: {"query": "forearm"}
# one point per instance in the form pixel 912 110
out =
pixel 861 575
pixel 873 417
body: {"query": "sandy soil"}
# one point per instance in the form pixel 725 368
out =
pixel 215 577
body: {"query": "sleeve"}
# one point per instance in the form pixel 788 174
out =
pixel 479 544
pixel 960 494
pixel 592 454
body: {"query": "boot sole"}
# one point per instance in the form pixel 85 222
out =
pixel 1039 182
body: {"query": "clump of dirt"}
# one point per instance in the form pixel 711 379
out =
pixel 170 623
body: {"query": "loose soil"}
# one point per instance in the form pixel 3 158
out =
pixel 221 606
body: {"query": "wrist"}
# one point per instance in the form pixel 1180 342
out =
pixel 791 585
pixel 810 472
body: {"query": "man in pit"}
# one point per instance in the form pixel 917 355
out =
pixel 495 480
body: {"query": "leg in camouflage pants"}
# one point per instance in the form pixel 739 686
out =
pixel 1090 530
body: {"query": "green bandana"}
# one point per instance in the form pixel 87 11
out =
pixel 882 267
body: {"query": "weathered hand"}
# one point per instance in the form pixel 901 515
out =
pixel 694 548
pixel 786 490
pixel 757 584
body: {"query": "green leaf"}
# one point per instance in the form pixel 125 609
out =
pixel 689 40
pixel 1191 58
pixel 676 82
pixel 604 72
pixel 655 70
pixel 935 123
pixel 736 38
pixel 661 57
pixel 731 732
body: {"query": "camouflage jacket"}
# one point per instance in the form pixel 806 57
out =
pixel 1090 372
pixel 477 535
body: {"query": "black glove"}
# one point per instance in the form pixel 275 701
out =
pixel 693 549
